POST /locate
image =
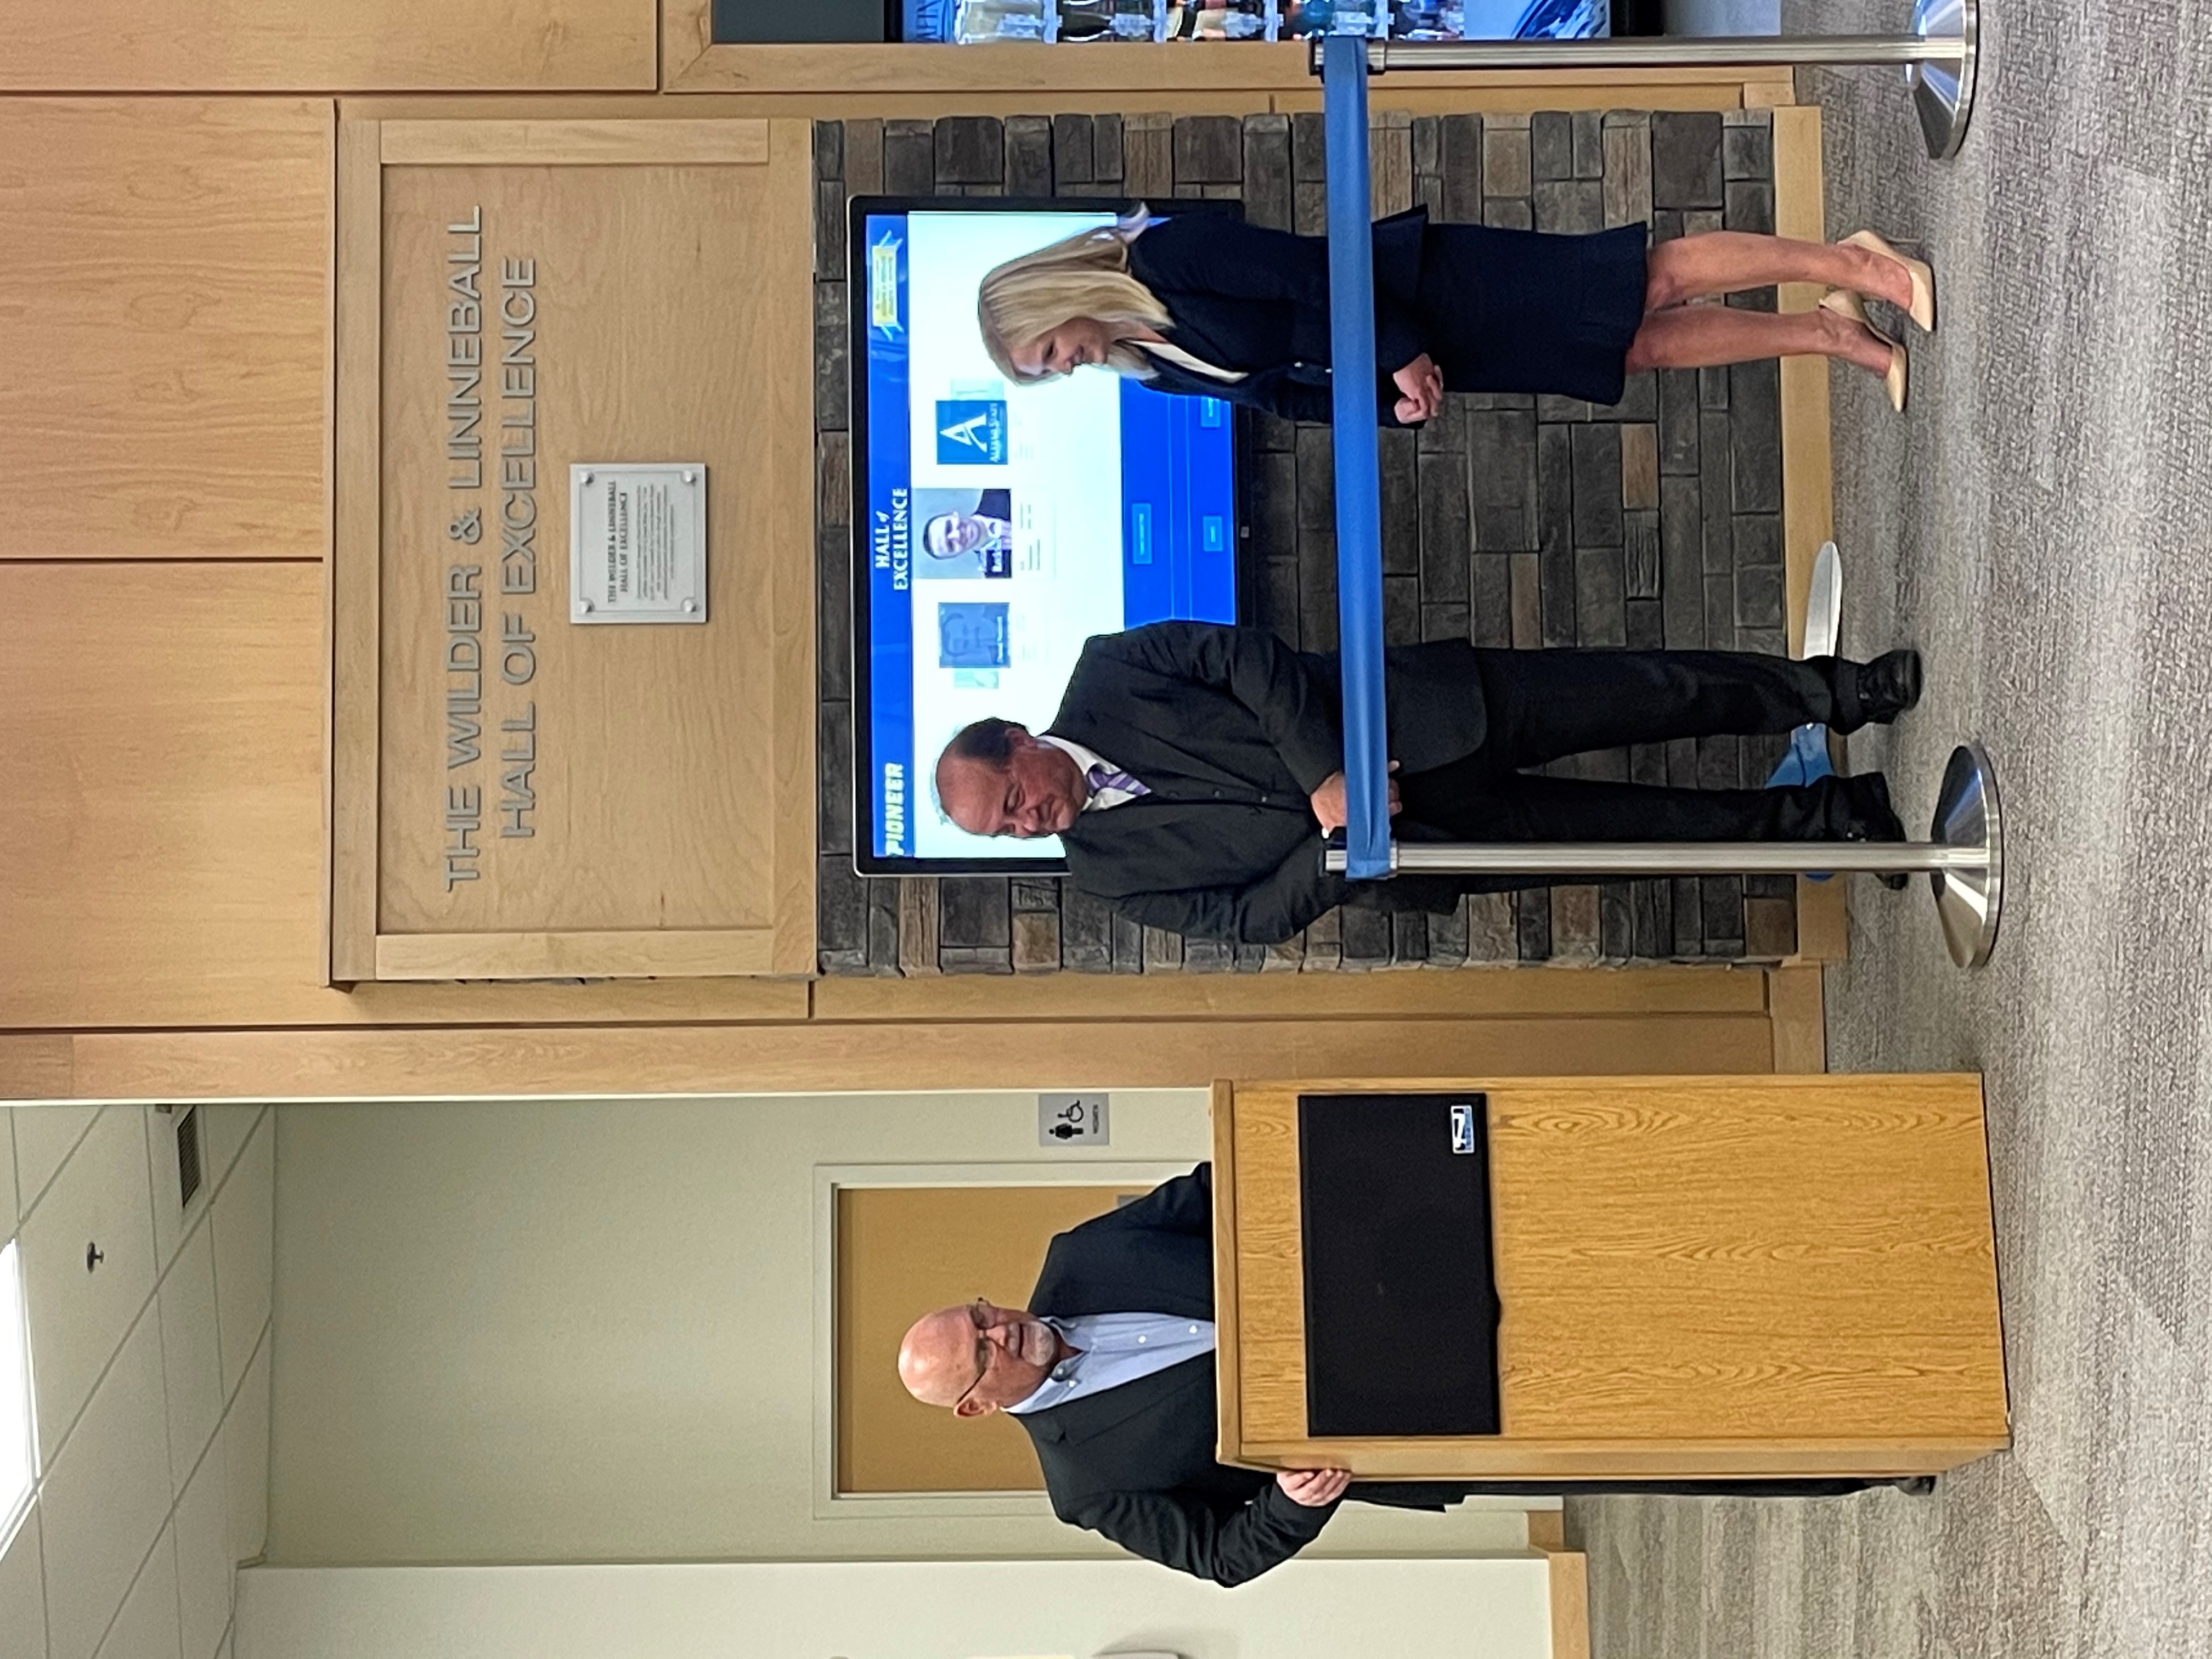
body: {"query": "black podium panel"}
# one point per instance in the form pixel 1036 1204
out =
pixel 1400 1298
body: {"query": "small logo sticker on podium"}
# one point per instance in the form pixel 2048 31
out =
pixel 1463 1120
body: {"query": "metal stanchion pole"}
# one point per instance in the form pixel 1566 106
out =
pixel 1939 56
pixel 1963 858
pixel 1359 466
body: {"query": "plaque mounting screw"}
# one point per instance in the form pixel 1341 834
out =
pixel 690 477
pixel 583 604
pixel 587 477
pixel 690 604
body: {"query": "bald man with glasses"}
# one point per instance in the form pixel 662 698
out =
pixel 1110 1371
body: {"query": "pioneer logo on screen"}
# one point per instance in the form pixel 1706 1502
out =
pixel 971 432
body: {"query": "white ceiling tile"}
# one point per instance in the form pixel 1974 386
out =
pixel 204 1568
pixel 244 1239
pixel 107 1496
pixel 45 1137
pixel 81 1305
pixel 9 1208
pixel 189 1357
pixel 246 1449
pixel 244 1224
pixel 146 1626
pixel 222 1136
pixel 23 1595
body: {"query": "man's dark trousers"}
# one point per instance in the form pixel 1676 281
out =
pixel 1545 705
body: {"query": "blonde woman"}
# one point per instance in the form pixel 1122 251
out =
pixel 1204 304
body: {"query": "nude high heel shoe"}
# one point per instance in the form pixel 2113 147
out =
pixel 1923 308
pixel 1844 303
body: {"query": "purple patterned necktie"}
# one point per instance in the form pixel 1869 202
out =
pixel 1102 777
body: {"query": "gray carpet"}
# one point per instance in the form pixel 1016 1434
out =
pixel 2038 523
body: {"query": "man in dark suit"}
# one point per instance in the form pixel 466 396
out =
pixel 1192 769
pixel 1110 1371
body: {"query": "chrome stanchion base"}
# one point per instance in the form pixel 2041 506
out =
pixel 1966 815
pixel 1942 89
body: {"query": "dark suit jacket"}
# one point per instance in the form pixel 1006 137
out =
pixel 1248 298
pixel 1136 1463
pixel 995 504
pixel 1231 731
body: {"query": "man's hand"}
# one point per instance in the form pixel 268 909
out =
pixel 1422 383
pixel 1313 1489
pixel 1329 804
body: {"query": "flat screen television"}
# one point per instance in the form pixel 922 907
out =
pixel 996 527
pixel 1078 22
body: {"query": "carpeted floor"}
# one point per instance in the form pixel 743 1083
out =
pixel 2041 524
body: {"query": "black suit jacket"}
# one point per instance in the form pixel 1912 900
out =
pixel 1136 1463
pixel 1231 731
pixel 1245 297
pixel 995 504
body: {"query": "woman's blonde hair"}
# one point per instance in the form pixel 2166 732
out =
pixel 1085 275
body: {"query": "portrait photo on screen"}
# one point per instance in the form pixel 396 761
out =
pixel 963 533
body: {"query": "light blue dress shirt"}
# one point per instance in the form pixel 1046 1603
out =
pixel 1116 1348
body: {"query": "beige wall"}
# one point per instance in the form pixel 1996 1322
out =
pixel 1498 1609
pixel 586 1330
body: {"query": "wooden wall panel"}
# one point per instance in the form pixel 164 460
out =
pixel 163 749
pixel 163 820
pixel 652 769
pixel 337 45
pixel 164 316
pixel 953 75
pixel 822 1056
pixel 654 299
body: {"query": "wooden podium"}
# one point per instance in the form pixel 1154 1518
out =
pixel 1708 1277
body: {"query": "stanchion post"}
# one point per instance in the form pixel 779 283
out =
pixel 1359 466
pixel 1963 858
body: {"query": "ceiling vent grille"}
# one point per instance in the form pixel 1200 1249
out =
pixel 188 1155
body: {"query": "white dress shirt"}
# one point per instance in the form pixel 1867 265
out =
pixel 1116 1348
pixel 1098 799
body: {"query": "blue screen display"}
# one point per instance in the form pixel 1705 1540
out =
pixel 1253 19
pixel 1005 525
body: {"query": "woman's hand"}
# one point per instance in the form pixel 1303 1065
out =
pixel 1422 383
pixel 1329 806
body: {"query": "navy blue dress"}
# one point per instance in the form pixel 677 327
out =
pixel 1497 310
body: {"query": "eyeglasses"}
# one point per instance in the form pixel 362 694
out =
pixel 979 1313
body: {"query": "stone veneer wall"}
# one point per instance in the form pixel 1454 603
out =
pixel 1512 521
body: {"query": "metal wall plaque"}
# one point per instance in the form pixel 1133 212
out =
pixel 637 542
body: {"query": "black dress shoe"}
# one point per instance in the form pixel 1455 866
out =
pixel 1868 815
pixel 1887 686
